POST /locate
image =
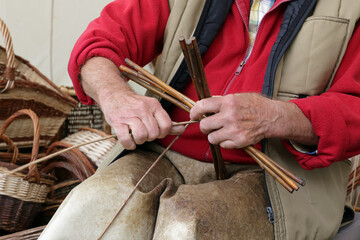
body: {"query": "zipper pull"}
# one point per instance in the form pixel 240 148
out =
pixel 238 70
pixel 270 214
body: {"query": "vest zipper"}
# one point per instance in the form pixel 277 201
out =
pixel 269 209
pixel 237 73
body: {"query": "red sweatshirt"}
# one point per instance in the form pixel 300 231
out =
pixel 133 30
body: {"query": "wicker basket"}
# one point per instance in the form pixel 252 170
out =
pixel 22 86
pixel 82 115
pixel 29 234
pixel 96 152
pixel 23 193
pixel 353 190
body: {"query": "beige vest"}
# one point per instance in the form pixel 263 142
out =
pixel 323 39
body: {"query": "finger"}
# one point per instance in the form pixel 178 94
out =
pixel 177 130
pixel 164 123
pixel 228 144
pixel 124 137
pixel 138 130
pixel 211 123
pixel 204 106
pixel 228 139
pixel 152 127
pixel 218 136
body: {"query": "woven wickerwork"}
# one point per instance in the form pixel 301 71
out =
pixel 96 152
pixel 21 213
pixel 82 115
pixel 15 186
pixel 353 190
pixel 85 116
pixel 29 234
pixel 21 193
pixel 22 86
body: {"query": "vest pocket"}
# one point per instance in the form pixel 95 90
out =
pixel 312 59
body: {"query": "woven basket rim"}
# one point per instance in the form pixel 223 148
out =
pixel 96 152
pixel 26 84
pixel 64 95
pixel 15 186
pixel 44 179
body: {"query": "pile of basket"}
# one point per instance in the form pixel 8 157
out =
pixel 22 86
pixel 33 111
pixel 23 193
pixel 353 190
pixel 39 190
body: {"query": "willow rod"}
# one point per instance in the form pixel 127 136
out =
pixel 156 91
pixel 141 77
pixel 270 171
pixel 187 101
pixel 276 165
pixel 193 60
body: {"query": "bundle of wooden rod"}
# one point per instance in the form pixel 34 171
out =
pixel 196 69
pixel 155 85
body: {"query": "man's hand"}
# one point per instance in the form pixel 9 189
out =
pixel 134 118
pixel 243 119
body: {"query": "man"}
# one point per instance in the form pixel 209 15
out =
pixel 283 81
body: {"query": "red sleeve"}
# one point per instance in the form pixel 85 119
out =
pixel 335 114
pixel 125 29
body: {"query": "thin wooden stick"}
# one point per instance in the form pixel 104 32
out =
pixel 271 166
pixel 184 123
pixel 191 62
pixel 197 56
pixel 183 46
pixel 274 164
pixel 270 171
pixel 156 91
pixel 196 69
pixel 187 101
pixel 141 77
pixel 139 182
pixel 353 181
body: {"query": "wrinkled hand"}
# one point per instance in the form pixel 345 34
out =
pixel 134 118
pixel 137 119
pixel 238 120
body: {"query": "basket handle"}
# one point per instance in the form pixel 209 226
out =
pixel 33 170
pixel 12 147
pixel 76 157
pixel 9 74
